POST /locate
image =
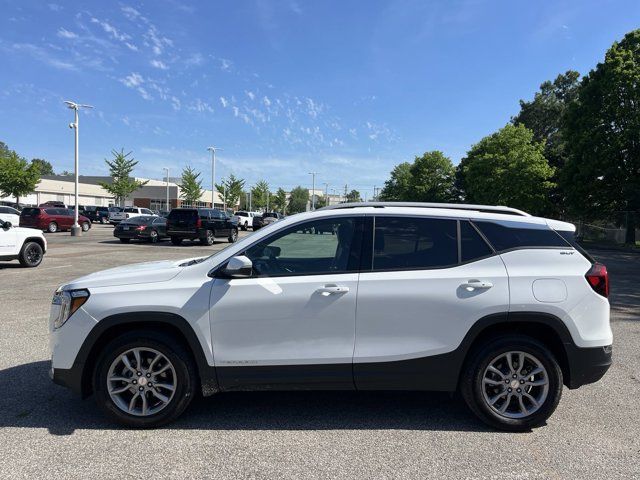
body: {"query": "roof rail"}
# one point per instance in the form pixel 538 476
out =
pixel 452 206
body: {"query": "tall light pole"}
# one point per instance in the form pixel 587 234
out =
pixel 76 231
pixel 313 190
pixel 213 151
pixel 167 170
pixel 326 194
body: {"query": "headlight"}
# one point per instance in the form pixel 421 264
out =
pixel 68 301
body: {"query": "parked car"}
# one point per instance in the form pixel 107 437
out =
pixel 245 219
pixel 27 245
pixel 53 203
pixel 265 219
pixel 52 219
pixel 204 224
pixel 127 212
pixel 99 214
pixel 504 308
pixel 143 227
pixel 10 214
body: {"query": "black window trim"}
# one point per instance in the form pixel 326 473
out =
pixel 525 247
pixel 360 218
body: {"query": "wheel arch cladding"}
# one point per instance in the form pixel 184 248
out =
pixel 173 325
pixel 37 240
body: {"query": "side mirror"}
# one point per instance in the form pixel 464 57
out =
pixel 7 225
pixel 237 267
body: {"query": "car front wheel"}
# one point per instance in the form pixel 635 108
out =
pixel 85 226
pixel 512 383
pixel 144 379
pixel 31 254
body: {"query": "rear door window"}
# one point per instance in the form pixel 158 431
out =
pixel 511 235
pixel 405 243
pixel 472 245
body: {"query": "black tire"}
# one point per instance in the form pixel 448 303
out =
pixel 52 227
pixel 234 235
pixel 209 238
pixel 153 236
pixel 31 255
pixel 176 240
pixel 471 382
pixel 85 226
pixel 125 240
pixel 103 220
pixel 244 227
pixel 175 352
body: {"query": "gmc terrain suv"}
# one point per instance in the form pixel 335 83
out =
pixel 501 306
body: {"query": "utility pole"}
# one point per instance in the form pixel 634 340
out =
pixel 224 196
pixel 267 201
pixel 167 170
pixel 313 190
pixel 326 194
pixel 76 231
pixel 345 191
pixel 213 151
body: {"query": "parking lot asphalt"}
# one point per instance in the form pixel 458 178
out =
pixel 47 432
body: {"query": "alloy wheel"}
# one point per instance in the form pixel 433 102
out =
pixel 515 384
pixel 33 254
pixel 141 381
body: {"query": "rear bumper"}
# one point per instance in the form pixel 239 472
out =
pixel 587 365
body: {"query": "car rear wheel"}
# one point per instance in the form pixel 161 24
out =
pixel 512 383
pixel 85 226
pixel 176 240
pixel 125 240
pixel 144 379
pixel 244 226
pixel 31 255
pixel 52 227
pixel 234 236
pixel 209 239
pixel 153 236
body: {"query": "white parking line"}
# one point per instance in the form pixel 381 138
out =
pixel 58 266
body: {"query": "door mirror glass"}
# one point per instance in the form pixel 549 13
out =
pixel 238 267
pixel 6 225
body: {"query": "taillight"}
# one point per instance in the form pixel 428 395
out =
pixel 598 278
pixel 141 227
pixel 199 223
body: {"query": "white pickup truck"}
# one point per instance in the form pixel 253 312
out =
pixel 128 212
pixel 27 245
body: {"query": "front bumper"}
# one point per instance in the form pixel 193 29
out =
pixel 68 377
pixel 587 365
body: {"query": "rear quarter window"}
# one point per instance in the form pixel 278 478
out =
pixel 507 237
pixel 30 212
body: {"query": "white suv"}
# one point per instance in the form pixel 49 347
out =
pixel 27 245
pixel 502 306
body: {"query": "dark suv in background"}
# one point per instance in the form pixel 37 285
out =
pixel 99 214
pixel 204 224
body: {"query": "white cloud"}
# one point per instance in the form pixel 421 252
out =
pixel 42 55
pixel 126 121
pixel 200 106
pixel 130 12
pixel 195 59
pixel 159 64
pixel 225 65
pixel 111 30
pixel 175 103
pixel 251 95
pixel 224 102
pixel 157 41
pixel 266 101
pixel 131 46
pixel 64 33
pixel 54 7
pixel 133 80
pixel 143 93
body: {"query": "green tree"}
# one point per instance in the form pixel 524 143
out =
pixel 354 196
pixel 260 195
pixel 232 188
pixel 602 130
pixel 66 173
pixel 298 200
pixel 45 167
pixel 190 185
pixel 432 178
pixel 17 176
pixel 279 201
pixel 120 168
pixel 508 168
pixel 398 187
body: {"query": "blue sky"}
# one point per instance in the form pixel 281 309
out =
pixel 348 89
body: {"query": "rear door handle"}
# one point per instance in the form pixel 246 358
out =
pixel 476 285
pixel 332 289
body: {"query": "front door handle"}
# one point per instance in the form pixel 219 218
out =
pixel 472 285
pixel 332 289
